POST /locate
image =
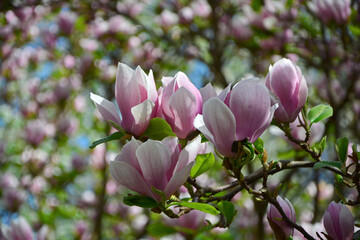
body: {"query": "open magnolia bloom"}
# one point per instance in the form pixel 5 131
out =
pixel 136 97
pixel 155 164
pixel 242 112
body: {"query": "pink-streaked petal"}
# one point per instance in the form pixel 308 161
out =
pixel 207 92
pixel 286 76
pixel 142 115
pixel 172 143
pixel 346 221
pixel 181 80
pixel 128 154
pixel 224 94
pixel 189 153
pixel 107 109
pixel 260 130
pixel 250 104
pixel 127 176
pixel 200 125
pixel 328 224
pixel 220 122
pixel 166 80
pixel 155 160
pixel 183 107
pixel 151 87
pixel 178 179
pixel 140 78
pixel 127 93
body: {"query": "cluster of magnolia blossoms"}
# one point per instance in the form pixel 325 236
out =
pixel 338 220
pixel 240 112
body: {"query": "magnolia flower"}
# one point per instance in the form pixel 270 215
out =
pixel 155 164
pixel 332 10
pixel 19 229
pixel 136 97
pixel 181 101
pixel 281 228
pixel 339 222
pixel 236 114
pixel 288 85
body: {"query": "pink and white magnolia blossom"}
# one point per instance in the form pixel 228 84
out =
pixel 339 222
pixel 19 229
pixel 282 230
pixel 331 10
pixel 181 101
pixel 287 83
pixel 155 164
pixel 242 112
pixel 136 97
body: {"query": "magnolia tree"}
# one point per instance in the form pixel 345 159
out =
pixel 223 119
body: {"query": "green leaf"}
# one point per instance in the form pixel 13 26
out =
pixel 289 4
pixel 259 145
pixel 341 147
pixel 323 144
pixel 158 129
pixel 114 136
pixel 320 112
pixel 228 210
pixel 140 201
pixel 203 163
pixel 159 230
pixel 198 206
pixel 327 164
pixel 256 5
pixel 355 29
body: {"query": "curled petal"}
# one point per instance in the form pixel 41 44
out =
pixel 178 179
pixel 107 109
pixel 207 92
pixel 200 125
pixel 142 115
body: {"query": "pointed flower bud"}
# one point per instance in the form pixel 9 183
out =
pixel 287 83
pixel 242 112
pixel 339 222
pixel 181 102
pixel 158 164
pixel 136 97
pixel 281 228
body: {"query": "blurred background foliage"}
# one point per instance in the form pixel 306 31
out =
pixel 54 53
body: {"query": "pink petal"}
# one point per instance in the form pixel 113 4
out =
pixel 178 179
pixel 107 109
pixel 189 153
pixel 128 154
pixel 141 115
pixel 207 92
pixel 200 125
pixel 155 160
pixel 250 104
pixel 127 93
pixel 127 176
pixel 184 109
pixel 172 143
pixel 220 122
